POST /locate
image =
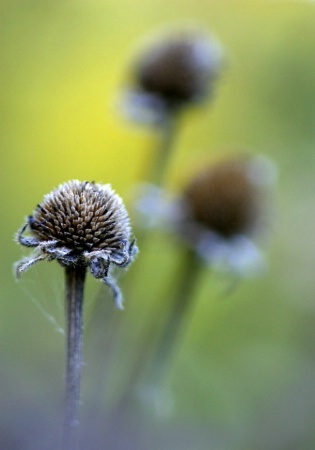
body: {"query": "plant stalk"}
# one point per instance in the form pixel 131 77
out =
pixel 177 316
pixel 74 277
pixel 168 130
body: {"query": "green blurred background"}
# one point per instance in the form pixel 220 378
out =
pixel 243 377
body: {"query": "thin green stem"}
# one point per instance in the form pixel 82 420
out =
pixel 168 130
pixel 177 316
pixel 75 277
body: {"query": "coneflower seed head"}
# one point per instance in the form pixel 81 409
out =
pixel 82 216
pixel 81 224
pixel 224 199
pixel 179 69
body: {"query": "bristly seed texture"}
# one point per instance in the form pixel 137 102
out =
pixel 81 224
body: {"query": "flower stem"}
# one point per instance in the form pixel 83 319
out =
pixel 177 316
pixel 168 130
pixel 190 269
pixel 75 277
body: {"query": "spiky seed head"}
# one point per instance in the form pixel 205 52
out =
pixel 179 68
pixel 80 225
pixel 225 199
pixel 82 217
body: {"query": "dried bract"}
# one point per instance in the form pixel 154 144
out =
pixel 81 224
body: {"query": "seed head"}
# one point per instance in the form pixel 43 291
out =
pixel 82 216
pixel 81 224
pixel 225 199
pixel 224 208
pixel 179 69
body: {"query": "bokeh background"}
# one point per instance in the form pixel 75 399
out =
pixel 243 375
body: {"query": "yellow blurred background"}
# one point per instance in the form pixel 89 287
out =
pixel 244 375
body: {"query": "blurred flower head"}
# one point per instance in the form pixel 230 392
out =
pixel 225 199
pixel 80 224
pixel 172 72
pixel 226 210
pixel 219 214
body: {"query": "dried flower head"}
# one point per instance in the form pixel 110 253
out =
pixel 179 68
pixel 80 224
pixel 225 208
pixel 219 214
pixel 225 199
pixel 173 71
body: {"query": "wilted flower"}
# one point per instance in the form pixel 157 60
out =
pixel 225 209
pixel 225 199
pixel 173 72
pixel 80 224
pixel 219 214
